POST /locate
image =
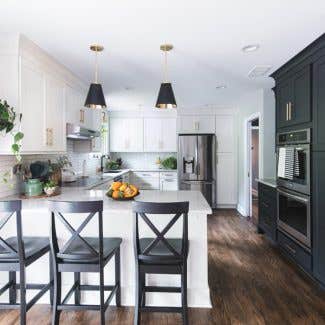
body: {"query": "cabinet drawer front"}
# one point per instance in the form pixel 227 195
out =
pixel 168 174
pixel 266 191
pixel 146 174
pixel 302 257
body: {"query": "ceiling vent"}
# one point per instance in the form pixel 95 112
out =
pixel 259 71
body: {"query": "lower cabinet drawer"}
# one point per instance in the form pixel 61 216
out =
pixel 147 183
pixel 291 248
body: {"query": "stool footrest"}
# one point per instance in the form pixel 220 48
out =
pixel 162 289
pixel 161 309
pixel 87 287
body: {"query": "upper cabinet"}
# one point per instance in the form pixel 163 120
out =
pixel 45 93
pixel 293 99
pixel 319 104
pixel 126 134
pixel 43 110
pixel 196 124
pixel 225 135
pixel 160 135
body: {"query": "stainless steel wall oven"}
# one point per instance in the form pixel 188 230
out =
pixel 293 180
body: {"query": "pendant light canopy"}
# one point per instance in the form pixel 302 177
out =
pixel 95 97
pixel 166 98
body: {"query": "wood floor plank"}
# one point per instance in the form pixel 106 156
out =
pixel 250 282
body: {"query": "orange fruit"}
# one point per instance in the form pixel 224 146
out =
pixel 117 194
pixel 116 186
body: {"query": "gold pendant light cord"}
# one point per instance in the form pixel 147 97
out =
pixel 96 67
pixel 166 70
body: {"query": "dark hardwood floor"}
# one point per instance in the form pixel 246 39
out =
pixel 250 282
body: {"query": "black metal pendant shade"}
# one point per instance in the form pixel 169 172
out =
pixel 166 98
pixel 95 97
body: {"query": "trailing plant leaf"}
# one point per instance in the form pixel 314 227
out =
pixel 18 136
pixel 7 125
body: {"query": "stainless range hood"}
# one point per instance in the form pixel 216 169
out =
pixel 77 132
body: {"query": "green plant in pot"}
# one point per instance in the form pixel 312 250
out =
pixel 8 121
pixel 50 187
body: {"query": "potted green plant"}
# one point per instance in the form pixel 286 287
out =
pixel 50 187
pixel 8 122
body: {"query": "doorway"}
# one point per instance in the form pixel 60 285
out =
pixel 253 163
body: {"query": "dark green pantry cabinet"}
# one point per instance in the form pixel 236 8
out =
pixel 319 104
pixel 293 99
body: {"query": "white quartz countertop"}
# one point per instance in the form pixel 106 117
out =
pixel 196 199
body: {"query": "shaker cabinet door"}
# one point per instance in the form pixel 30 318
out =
pixel 32 84
pixel 293 99
pixel 168 135
pixel 126 134
pixel 55 133
pixel 319 104
pixel 300 109
pixel 284 95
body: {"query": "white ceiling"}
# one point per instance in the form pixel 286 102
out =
pixel 207 35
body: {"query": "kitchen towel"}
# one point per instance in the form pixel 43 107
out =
pixel 286 162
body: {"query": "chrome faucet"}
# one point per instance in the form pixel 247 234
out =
pixel 102 162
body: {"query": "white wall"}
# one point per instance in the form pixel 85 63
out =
pixel 263 103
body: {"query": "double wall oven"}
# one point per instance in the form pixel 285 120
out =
pixel 293 181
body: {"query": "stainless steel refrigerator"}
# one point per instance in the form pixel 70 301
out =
pixel 197 165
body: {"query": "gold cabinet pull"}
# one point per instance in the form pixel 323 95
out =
pixel 82 116
pixel 287 112
pixel 290 111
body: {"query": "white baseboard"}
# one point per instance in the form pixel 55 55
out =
pixel 241 210
pixel 226 206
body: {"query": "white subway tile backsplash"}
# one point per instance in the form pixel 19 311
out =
pixel 139 160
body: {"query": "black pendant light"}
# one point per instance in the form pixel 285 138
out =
pixel 166 98
pixel 95 97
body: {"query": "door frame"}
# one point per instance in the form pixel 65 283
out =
pixel 248 158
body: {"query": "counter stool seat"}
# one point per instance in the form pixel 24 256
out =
pixel 161 252
pixel 35 247
pixel 78 252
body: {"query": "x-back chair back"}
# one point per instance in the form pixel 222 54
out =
pixel 8 210
pixel 142 210
pixel 92 208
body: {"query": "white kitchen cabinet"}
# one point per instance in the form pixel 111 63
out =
pixel 126 134
pixel 32 97
pixel 168 181
pixel 43 91
pixel 43 111
pixel 160 135
pixel 76 112
pixel 225 133
pixel 196 124
pixel 226 180
pixel 146 180
pixel 55 133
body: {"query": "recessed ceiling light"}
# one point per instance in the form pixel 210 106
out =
pixel 221 87
pixel 250 48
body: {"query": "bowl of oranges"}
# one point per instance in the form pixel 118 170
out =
pixel 122 191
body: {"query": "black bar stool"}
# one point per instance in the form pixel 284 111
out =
pixel 82 254
pixel 160 255
pixel 16 253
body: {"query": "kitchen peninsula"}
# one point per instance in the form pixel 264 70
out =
pixel 118 222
